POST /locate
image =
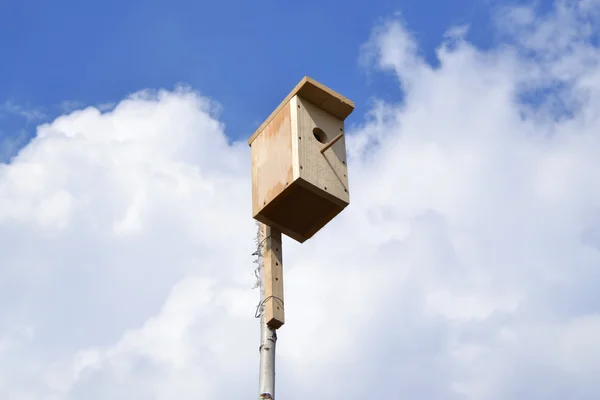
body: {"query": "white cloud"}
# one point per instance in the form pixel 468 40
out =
pixel 465 267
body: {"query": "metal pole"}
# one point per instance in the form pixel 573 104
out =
pixel 268 335
pixel 268 339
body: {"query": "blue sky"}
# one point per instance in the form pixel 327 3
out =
pixel 246 55
pixel 465 267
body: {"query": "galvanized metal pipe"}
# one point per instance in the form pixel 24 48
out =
pixel 268 341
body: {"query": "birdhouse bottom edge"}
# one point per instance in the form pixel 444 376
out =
pixel 300 210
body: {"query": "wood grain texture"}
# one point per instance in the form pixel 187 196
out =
pixel 300 211
pixel 316 93
pixel 326 171
pixel 272 169
pixel 299 183
pixel 274 311
pixel 295 137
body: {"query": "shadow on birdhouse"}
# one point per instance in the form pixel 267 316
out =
pixel 299 171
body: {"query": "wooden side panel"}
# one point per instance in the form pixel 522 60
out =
pixel 273 278
pixel 272 169
pixel 327 171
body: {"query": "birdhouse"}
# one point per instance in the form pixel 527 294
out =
pixel 299 171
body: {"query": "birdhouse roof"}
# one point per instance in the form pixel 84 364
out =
pixel 319 95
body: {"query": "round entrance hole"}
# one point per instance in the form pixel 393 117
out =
pixel 320 135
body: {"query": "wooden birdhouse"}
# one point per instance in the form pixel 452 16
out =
pixel 299 171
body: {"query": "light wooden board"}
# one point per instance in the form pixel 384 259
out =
pixel 272 169
pixel 295 141
pixel 316 93
pixel 296 188
pixel 327 171
pixel 273 278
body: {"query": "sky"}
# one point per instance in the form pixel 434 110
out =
pixel 67 54
pixel 465 266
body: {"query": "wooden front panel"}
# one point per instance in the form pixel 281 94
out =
pixel 272 168
pixel 326 171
